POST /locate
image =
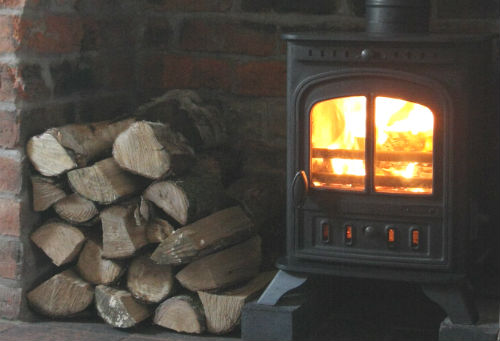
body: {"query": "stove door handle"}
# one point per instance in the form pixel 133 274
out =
pixel 299 188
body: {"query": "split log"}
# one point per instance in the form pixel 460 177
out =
pixel 181 313
pixel 95 269
pixel 149 282
pixel 227 267
pixel 104 182
pixel 158 230
pixel 205 236
pixel 58 150
pixel 121 236
pixel 118 308
pixel 60 241
pixel 152 150
pixel 185 111
pixel 223 310
pixel 63 295
pixel 143 212
pixel 75 209
pixel 46 192
pixel 187 198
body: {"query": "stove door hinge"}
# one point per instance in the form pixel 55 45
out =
pixel 299 188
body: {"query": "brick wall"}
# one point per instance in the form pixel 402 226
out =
pixel 60 61
pixel 81 60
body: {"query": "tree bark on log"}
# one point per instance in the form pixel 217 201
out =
pixel 60 241
pixel 223 310
pixel 227 267
pixel 60 149
pixel 152 150
pixel 205 236
pixel 121 236
pixel 187 198
pixel 149 282
pixel 105 182
pixel 46 192
pixel 182 313
pixel 75 209
pixel 158 230
pixel 95 269
pixel 118 308
pixel 63 295
pixel 184 110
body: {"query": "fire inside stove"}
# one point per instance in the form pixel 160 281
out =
pixel 378 144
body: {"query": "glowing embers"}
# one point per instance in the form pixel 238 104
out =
pixel 338 133
pixel 403 148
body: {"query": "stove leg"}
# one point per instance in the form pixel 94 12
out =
pixel 270 320
pixel 456 299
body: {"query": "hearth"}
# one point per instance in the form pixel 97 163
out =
pixel 388 155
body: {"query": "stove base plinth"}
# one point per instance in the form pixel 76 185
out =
pixel 449 331
pixel 282 322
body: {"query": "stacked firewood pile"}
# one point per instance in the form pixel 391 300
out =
pixel 145 217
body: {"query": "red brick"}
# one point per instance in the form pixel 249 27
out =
pixel 192 5
pixel 12 3
pixel 8 32
pixel 9 129
pixel 230 37
pixel 10 174
pixel 111 33
pixel 10 257
pixel 263 78
pixel 10 217
pixel 51 34
pixel 188 72
pixel 10 302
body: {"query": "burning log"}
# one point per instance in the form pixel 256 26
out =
pixel 223 310
pixel 60 241
pixel 121 236
pixel 184 110
pixel 149 282
pixel 58 150
pixel 118 308
pixel 393 156
pixel 217 231
pixel 75 209
pixel 227 267
pixel 380 180
pixel 187 198
pixel 104 182
pixel 95 269
pixel 46 192
pixel 181 313
pixel 152 150
pixel 63 295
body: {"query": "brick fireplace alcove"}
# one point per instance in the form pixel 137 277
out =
pixel 64 61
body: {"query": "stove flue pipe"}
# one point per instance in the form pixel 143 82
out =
pixel 397 16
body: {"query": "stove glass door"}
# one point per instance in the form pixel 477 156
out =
pixel 373 144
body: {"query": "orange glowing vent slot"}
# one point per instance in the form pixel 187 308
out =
pixel 415 238
pixel 391 236
pixel 348 235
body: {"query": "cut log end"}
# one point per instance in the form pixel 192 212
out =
pixel 181 313
pixel 46 192
pixel 95 269
pixel 48 156
pixel 60 241
pixel 118 308
pixel 75 209
pixel 63 295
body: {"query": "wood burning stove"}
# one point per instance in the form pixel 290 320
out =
pixel 388 136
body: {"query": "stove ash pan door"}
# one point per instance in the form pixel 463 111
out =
pixel 373 187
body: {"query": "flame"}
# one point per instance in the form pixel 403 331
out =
pixel 400 127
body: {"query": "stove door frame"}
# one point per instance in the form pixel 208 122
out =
pixel 328 203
